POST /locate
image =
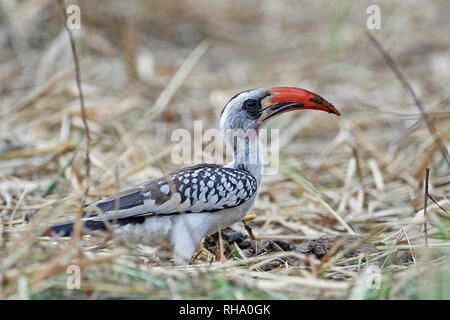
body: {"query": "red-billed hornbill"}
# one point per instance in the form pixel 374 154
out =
pixel 192 202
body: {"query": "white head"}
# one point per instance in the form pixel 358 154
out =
pixel 247 111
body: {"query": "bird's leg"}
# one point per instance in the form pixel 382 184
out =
pixel 202 252
pixel 249 230
pixel 186 236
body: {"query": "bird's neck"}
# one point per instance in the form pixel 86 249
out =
pixel 247 155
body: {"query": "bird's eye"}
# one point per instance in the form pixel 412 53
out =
pixel 250 104
pixel 253 108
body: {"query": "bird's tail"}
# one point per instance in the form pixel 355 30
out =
pixel 66 229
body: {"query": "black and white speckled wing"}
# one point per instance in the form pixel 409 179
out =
pixel 201 188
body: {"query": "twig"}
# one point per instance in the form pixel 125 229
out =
pixel 78 223
pixel 432 199
pixel 409 244
pixel 401 77
pixel 427 173
pixel 328 261
pixel 358 165
pixel 80 93
pixel 59 148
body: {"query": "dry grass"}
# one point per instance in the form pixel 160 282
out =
pixel 150 67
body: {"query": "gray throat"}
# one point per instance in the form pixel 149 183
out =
pixel 248 156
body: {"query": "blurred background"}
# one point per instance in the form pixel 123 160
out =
pixel 150 67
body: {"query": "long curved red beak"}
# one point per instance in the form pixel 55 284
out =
pixel 285 99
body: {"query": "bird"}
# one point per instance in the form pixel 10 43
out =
pixel 190 203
